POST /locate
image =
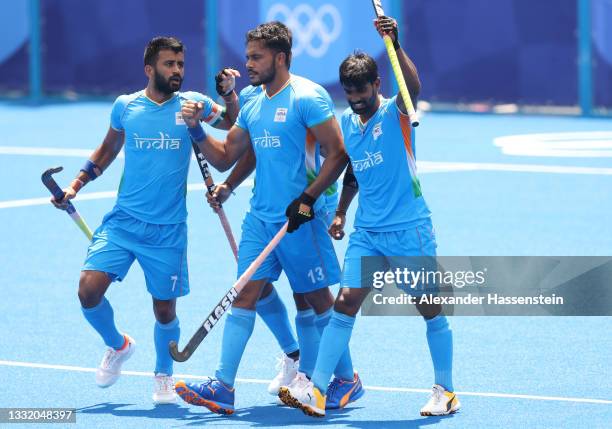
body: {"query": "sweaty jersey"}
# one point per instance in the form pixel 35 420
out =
pixel 382 156
pixel 278 127
pixel 157 154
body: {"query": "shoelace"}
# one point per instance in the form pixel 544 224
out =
pixel 281 364
pixel 333 386
pixel 109 358
pixel 165 383
pixel 301 381
pixel 437 394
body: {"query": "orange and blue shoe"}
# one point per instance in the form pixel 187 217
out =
pixel 213 394
pixel 342 392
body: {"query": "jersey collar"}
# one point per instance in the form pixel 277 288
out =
pixel 285 85
pixel 364 125
pixel 144 93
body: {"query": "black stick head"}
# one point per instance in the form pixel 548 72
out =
pixel 50 172
pixel 176 354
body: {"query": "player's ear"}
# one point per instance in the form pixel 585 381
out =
pixel 281 59
pixel 376 84
pixel 148 69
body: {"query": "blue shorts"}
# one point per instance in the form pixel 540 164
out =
pixel 417 241
pixel 161 251
pixel 307 255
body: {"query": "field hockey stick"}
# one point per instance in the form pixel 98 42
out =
pixel 210 185
pixel 397 71
pixel 225 303
pixel 58 194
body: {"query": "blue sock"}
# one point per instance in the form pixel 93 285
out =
pixel 440 340
pixel 334 343
pixel 162 335
pixel 236 333
pixel 344 370
pixel 101 318
pixel 308 338
pixel 274 314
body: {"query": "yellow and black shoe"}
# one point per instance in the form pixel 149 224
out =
pixel 306 397
pixel 441 403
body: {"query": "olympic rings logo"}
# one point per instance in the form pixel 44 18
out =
pixel 309 26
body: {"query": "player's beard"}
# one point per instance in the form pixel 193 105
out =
pixel 368 104
pixel 264 77
pixel 167 86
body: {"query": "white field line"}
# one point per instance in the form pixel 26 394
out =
pixel 260 381
pixel 424 167
pixel 84 196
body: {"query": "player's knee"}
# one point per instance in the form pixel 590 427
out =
pixel 349 301
pixel 301 303
pixel 91 289
pixel 346 307
pixel 247 298
pixel 165 311
pixel 320 300
pixel 429 311
pixel 267 290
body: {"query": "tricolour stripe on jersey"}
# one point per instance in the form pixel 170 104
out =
pixel 407 135
pixel 215 114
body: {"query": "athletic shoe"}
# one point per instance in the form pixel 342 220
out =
pixel 213 394
pixel 442 402
pixel 164 389
pixel 299 381
pixel 307 398
pixel 110 368
pixel 287 368
pixel 342 392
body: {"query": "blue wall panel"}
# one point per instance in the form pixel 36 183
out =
pixel 97 47
pixel 502 51
pixel 602 53
pixel 14 46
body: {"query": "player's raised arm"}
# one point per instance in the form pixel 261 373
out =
pixel 386 25
pixel 221 154
pixel 330 138
pixel 225 84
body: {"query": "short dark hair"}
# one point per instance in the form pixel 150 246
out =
pixel 358 69
pixel 274 35
pixel 159 44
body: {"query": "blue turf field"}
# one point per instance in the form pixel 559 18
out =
pixel 511 372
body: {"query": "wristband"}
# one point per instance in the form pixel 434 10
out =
pixel 340 213
pixel 91 169
pixel 307 199
pixel 197 133
pixel 231 98
pixel 76 185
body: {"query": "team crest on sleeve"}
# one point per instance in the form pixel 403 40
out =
pixel 280 115
pixel 179 118
pixel 377 131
